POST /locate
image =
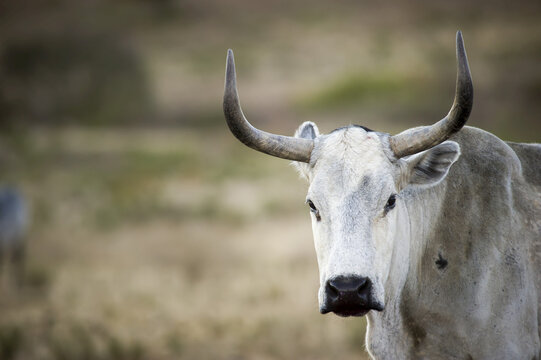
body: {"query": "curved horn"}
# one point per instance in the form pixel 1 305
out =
pixel 415 140
pixel 285 147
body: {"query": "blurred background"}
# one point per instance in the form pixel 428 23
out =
pixel 154 234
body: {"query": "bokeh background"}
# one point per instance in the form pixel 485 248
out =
pixel 155 234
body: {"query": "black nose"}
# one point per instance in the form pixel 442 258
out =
pixel 349 295
pixel 348 288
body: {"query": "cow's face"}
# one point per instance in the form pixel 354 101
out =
pixel 358 214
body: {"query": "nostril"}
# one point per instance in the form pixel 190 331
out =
pixel 363 285
pixel 332 292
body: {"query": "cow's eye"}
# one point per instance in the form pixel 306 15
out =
pixel 390 203
pixel 313 209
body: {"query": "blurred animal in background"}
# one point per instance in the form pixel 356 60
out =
pixel 14 223
pixel 437 242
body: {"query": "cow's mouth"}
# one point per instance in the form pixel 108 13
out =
pixel 346 310
pixel 359 311
pixel 351 310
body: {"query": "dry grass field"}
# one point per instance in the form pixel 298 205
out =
pixel 155 234
pixel 147 247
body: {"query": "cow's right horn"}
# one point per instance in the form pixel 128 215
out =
pixel 285 147
pixel 416 140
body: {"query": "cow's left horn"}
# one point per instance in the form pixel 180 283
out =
pixel 415 140
pixel 285 147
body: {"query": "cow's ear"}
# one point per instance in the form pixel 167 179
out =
pixel 431 166
pixel 307 130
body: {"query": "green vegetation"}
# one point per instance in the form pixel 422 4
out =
pixel 354 89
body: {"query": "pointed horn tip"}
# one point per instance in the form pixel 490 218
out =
pixel 459 40
pixel 230 57
pixel 230 67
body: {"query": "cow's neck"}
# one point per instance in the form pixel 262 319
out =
pixel 390 332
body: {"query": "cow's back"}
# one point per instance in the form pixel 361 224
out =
pixel 530 158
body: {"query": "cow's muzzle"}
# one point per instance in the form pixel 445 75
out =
pixel 349 296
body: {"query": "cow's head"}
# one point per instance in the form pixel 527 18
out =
pixel 356 178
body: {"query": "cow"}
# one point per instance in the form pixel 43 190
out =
pixel 433 234
pixel 14 222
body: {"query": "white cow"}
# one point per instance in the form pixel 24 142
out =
pixel 437 242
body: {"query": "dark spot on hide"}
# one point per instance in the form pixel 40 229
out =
pixel 441 263
pixel 350 126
